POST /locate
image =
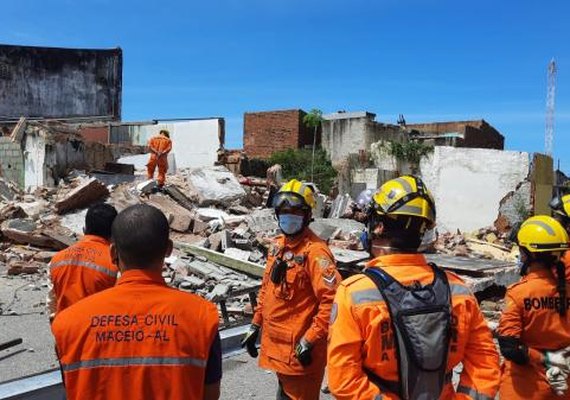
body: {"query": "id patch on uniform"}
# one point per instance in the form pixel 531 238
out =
pixel 334 313
pixel 328 271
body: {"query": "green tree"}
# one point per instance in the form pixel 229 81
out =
pixel 295 164
pixel 313 120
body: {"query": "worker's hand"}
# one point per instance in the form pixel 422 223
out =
pixel 250 340
pixel 303 352
pixel 558 380
pixel 558 358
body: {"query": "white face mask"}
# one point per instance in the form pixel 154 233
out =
pixel 291 224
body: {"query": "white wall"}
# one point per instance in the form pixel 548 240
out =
pixel 468 184
pixel 34 162
pixel 194 143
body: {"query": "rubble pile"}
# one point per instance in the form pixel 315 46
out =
pixel 486 243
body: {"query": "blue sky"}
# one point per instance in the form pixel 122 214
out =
pixel 429 60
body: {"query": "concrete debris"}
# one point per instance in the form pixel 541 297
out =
pixel 147 186
pixel 238 254
pixel 26 231
pixel 208 214
pixel 86 193
pixel 23 267
pixel 8 190
pixel 215 186
pixel 341 207
pixel 181 217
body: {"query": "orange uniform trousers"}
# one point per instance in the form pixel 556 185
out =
pixel 531 315
pixel 159 146
pixel 298 307
pixel 137 340
pixel 361 336
pixel 80 271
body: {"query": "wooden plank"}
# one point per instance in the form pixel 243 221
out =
pixel 246 267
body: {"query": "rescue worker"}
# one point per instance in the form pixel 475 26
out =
pixel 159 147
pixel 534 329
pixel 295 299
pixel 86 267
pixel 561 212
pixel 399 329
pixel 140 339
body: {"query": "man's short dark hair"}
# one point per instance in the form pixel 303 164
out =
pixel 141 235
pixel 99 220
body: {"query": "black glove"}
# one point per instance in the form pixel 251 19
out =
pixel 303 352
pixel 250 340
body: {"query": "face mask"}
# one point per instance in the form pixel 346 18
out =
pixel 291 224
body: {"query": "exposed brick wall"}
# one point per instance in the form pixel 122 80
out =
pixel 11 161
pixel 270 131
pixel 477 134
pixel 99 134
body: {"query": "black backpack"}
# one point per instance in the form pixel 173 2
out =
pixel 421 322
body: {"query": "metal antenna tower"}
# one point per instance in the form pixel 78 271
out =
pixel 550 101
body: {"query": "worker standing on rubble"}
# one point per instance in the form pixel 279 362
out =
pixel 399 329
pixel 140 339
pixel 561 212
pixel 86 267
pixel 159 147
pixel 295 299
pixel 534 330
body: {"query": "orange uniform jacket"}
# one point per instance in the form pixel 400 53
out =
pixel 299 307
pixel 138 340
pixel 566 261
pixel 159 144
pixel 361 336
pixel 531 315
pixel 81 270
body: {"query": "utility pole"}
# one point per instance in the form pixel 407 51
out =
pixel 550 102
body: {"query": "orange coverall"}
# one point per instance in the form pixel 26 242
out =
pixel 299 307
pixel 137 340
pixel 361 335
pixel 159 146
pixel 80 271
pixel 530 315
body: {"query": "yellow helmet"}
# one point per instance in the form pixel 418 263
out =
pixel 541 234
pixel 406 195
pixel 295 194
pixel 561 205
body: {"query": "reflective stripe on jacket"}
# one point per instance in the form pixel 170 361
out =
pixel 137 340
pixel 299 307
pixel 531 315
pixel 82 270
pixel 361 336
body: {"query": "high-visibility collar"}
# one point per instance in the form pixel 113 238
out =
pixel 397 260
pixel 94 238
pixel 291 243
pixel 141 276
pixel 540 273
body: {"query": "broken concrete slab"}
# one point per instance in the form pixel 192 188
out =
pixel 348 257
pixel 88 192
pixel 8 190
pixel 34 209
pixel 262 221
pixel 199 227
pixel 219 258
pixel 24 231
pixel 208 214
pixel 219 292
pixel 44 256
pixel 340 205
pixel 215 185
pixel 178 196
pixel 215 241
pixel 147 187
pixel 23 267
pixel 326 227
pixel 181 217
pixel 237 254
pixel 192 282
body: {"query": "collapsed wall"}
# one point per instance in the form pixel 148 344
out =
pixel 469 184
